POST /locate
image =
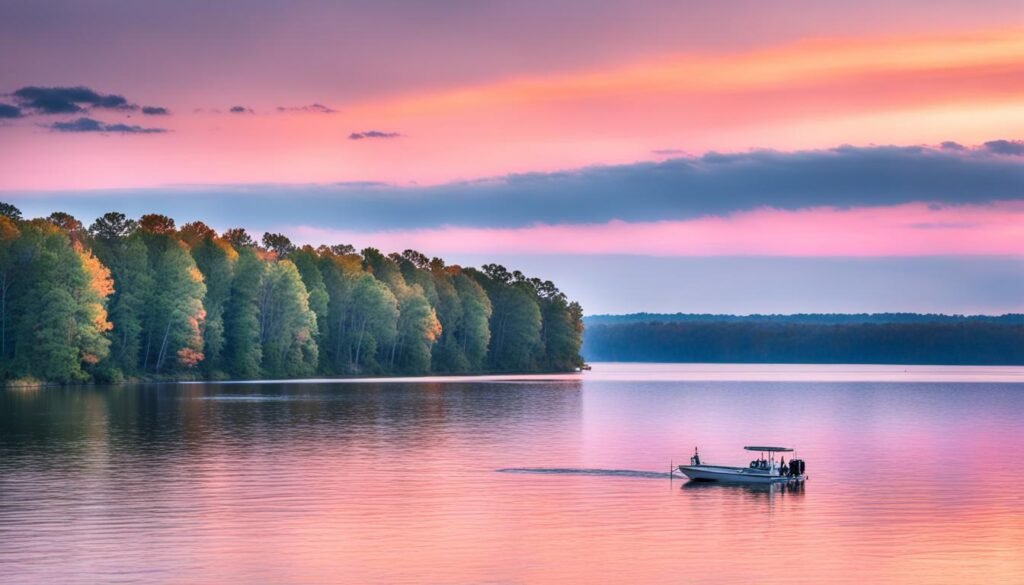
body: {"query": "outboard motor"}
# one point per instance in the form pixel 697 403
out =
pixel 796 467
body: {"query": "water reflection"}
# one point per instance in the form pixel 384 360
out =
pixel 396 482
pixel 795 488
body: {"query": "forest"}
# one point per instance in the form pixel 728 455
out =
pixel 907 340
pixel 126 299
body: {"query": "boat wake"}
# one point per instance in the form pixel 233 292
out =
pixel 592 472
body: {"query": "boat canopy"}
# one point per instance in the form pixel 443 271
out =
pixel 768 449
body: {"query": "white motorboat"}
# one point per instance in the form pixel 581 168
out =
pixel 761 470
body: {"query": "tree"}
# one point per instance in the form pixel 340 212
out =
pixel 174 309
pixel 10 212
pixel 515 321
pixel 448 354
pixel 9 235
pixel 418 327
pixel 287 325
pixel 119 246
pixel 473 334
pixel 113 226
pixel 67 222
pixel 60 307
pixel 243 352
pixel 215 259
pixel 194 232
pixel 279 244
pixel 239 238
pixel 154 223
pixel 307 262
pixel 92 317
pixel 374 320
pixel 134 282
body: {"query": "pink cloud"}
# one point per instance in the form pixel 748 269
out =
pixel 915 229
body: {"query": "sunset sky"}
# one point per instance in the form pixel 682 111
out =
pixel 734 156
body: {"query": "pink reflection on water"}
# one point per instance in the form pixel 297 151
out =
pixel 910 481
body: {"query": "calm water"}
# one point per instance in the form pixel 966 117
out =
pixel 912 479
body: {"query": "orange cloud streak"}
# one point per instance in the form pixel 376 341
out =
pixel 812 94
pixel 815 63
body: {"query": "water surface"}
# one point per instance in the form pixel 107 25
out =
pixel 915 477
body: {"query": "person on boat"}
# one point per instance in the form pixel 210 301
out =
pixel 783 470
pixel 696 457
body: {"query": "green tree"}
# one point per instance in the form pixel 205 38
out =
pixel 174 309
pixel 418 327
pixel 9 235
pixel 215 259
pixel 308 263
pixel 287 325
pixel 10 212
pixel 118 246
pixel 60 307
pixel 239 238
pixel 243 351
pixel 279 244
pixel 515 320
pixel 474 332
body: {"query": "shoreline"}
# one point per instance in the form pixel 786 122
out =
pixel 474 376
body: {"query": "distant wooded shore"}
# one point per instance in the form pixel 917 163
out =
pixel 881 338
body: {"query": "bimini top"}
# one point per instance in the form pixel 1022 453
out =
pixel 768 449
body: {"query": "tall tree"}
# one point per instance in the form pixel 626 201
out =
pixel 243 353
pixel 515 320
pixel 215 259
pixel 174 309
pixel 308 263
pixel 473 334
pixel 287 325
pixel 418 327
pixel 10 212
pixel 239 238
pixel 9 235
pixel 118 246
pixel 60 307
pixel 279 244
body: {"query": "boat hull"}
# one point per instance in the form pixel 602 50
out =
pixel 733 474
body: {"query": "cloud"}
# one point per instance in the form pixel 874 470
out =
pixel 9 111
pixel 155 111
pixel 911 229
pixel 1007 147
pixel 241 110
pixel 312 108
pixel 372 134
pixel 68 100
pixel 91 125
pixel 715 184
pixel 669 152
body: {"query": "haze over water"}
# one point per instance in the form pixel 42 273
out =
pixel 914 478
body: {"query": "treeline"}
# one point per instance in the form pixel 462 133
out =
pixel 814 318
pixel 965 342
pixel 144 299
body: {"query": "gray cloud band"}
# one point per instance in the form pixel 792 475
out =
pixel 680 188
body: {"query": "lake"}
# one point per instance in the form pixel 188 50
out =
pixel 916 475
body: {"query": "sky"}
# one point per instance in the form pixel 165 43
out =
pixel 662 156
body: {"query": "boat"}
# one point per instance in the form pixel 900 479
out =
pixel 761 470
